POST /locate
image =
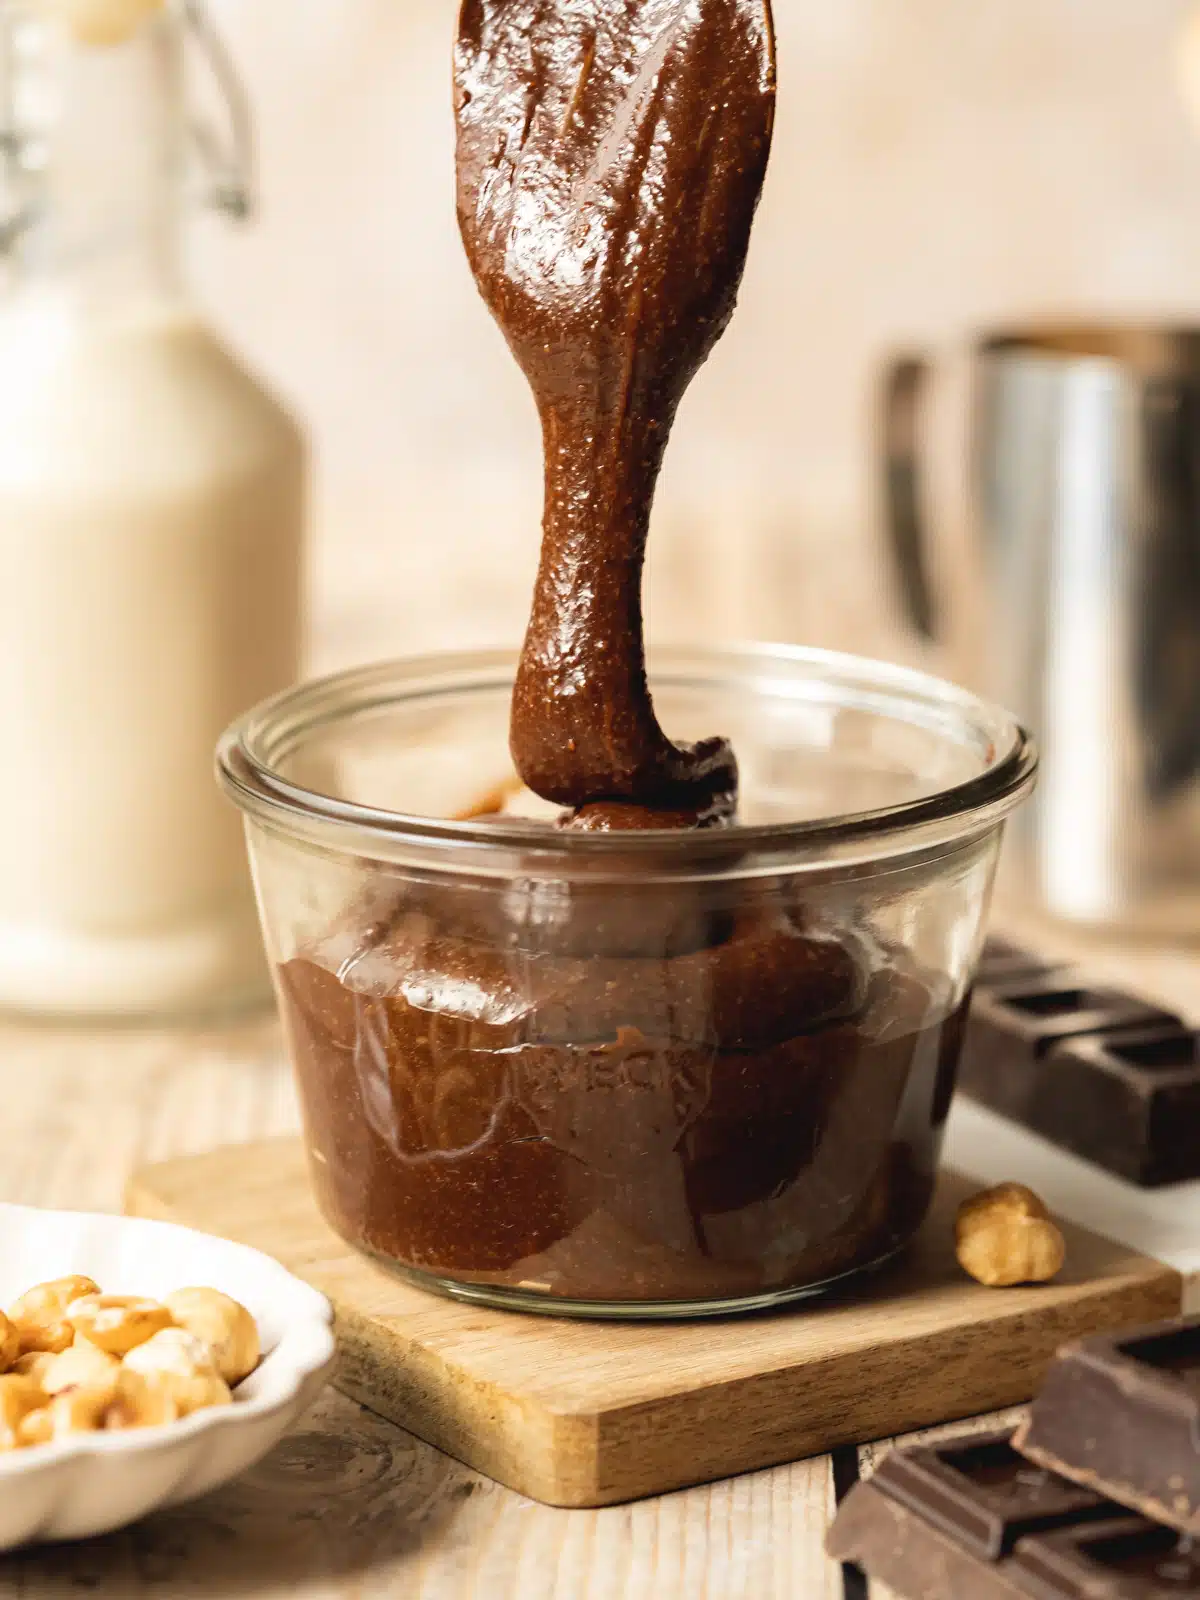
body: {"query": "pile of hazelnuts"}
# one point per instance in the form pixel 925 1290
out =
pixel 74 1360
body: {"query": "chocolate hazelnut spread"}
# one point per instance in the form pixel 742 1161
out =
pixel 756 1111
pixel 610 160
pixel 668 1089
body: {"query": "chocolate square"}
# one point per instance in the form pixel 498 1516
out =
pixel 1016 1025
pixel 1120 1414
pixel 1128 1101
pixel 953 1520
pixel 982 1492
pixel 1131 1559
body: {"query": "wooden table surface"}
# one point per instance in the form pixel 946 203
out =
pixel 351 1506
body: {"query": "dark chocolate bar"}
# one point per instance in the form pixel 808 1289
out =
pixel 1128 1101
pixel 916 1560
pixel 1019 1059
pixel 980 1491
pixel 1120 1413
pixel 965 1520
pixel 1018 1018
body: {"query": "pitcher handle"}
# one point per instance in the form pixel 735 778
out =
pixel 903 388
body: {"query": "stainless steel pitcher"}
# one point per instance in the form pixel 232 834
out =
pixel 1085 507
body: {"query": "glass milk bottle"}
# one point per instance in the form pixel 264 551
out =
pixel 151 510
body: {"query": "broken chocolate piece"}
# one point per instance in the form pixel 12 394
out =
pixel 917 1561
pixel 964 1519
pixel 979 1490
pixel 1015 1062
pixel 1121 1414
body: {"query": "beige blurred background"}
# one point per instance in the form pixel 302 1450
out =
pixel 939 165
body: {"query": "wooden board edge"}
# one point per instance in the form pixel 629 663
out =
pixel 612 1458
pixel 638 1444
pixel 1125 1273
pixel 527 1447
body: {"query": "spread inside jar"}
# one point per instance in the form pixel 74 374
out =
pixel 668 1089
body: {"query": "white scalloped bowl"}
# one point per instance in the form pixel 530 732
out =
pixel 94 1483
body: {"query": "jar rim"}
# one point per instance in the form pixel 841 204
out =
pixel 248 753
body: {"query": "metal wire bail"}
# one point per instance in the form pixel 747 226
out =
pixel 228 159
pixel 20 154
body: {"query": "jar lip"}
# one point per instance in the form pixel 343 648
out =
pixel 247 750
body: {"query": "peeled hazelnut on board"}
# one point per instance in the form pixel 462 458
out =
pixel 117 1322
pixel 221 1323
pixel 1004 1236
pixel 40 1315
pixel 10 1344
pixel 183 1367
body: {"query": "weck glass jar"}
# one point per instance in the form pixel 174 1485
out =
pixel 631 1074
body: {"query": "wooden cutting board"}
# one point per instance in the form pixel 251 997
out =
pixel 591 1413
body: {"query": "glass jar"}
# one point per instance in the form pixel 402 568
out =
pixel 152 507
pixel 660 1074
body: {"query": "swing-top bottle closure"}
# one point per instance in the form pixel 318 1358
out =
pixel 225 157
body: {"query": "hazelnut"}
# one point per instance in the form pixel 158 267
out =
pixel 221 1323
pixel 82 1366
pixel 18 1397
pixel 75 1360
pixel 117 1323
pixel 10 1344
pixel 35 1365
pixel 1005 1236
pixel 141 1401
pixel 40 1315
pixel 184 1367
pixel 78 1410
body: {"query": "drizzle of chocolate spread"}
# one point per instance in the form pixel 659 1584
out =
pixel 610 160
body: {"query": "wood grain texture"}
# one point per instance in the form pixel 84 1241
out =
pixel 590 1414
pixel 351 1508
